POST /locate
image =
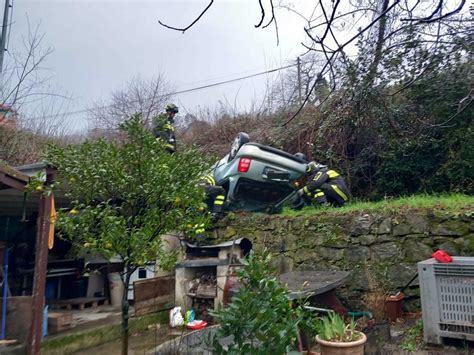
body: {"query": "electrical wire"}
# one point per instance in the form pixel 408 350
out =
pixel 203 87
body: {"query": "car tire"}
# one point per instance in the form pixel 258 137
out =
pixel 241 139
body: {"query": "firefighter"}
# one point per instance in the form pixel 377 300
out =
pixel 323 187
pixel 215 196
pixel 163 127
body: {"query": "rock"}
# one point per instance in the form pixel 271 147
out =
pixel 441 216
pixel 422 238
pixel 385 227
pixel 358 280
pixel 416 251
pixel 337 241
pixel 400 274
pixel 372 239
pixel 418 223
pixel 450 228
pixel 367 239
pixel 384 251
pixel 395 333
pixel 361 225
pixel 448 247
pixel 230 232
pixel 331 254
pixel 401 229
pixel 358 254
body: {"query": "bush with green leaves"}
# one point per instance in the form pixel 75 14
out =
pixel 261 318
pixel 334 328
pixel 125 195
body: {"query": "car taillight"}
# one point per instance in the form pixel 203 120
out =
pixel 244 165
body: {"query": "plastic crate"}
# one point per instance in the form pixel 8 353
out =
pixel 447 299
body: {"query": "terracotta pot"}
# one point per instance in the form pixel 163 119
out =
pixel 334 348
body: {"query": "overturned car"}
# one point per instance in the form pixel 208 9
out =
pixel 258 177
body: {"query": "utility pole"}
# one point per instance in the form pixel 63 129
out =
pixel 3 41
pixel 298 62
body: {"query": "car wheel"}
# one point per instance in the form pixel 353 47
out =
pixel 239 141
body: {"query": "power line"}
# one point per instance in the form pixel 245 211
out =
pixel 70 113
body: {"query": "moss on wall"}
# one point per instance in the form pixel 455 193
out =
pixel 380 249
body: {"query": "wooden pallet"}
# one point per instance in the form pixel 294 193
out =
pixel 80 303
pixel 59 321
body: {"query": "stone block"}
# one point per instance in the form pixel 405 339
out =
pixel 385 251
pixel 230 232
pixel 361 225
pixel 418 223
pixel 448 247
pixel 358 280
pixel 337 241
pixel 415 251
pixel 370 239
pixel 399 274
pixel 456 228
pixel 331 254
pixel 358 254
pixel 401 229
pixel 385 227
pixel 422 238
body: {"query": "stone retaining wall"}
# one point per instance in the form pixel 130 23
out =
pixel 380 249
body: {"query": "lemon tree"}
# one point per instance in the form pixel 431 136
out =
pixel 126 194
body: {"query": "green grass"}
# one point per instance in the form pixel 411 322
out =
pixel 436 202
pixel 413 337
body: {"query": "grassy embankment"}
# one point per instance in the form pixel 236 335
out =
pixel 445 202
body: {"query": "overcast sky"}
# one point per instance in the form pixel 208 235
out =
pixel 100 45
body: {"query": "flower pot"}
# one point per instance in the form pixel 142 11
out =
pixel 336 348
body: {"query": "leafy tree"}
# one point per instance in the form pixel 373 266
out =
pixel 125 196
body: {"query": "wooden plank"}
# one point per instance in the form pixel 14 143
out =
pixel 152 288
pixel 8 170
pixel 154 305
pixel 56 319
pixel 13 183
pixel 153 295
pixel 8 342
pixel 80 303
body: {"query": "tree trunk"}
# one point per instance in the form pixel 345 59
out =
pixel 382 25
pixel 126 281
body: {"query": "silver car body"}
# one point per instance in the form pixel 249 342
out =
pixel 269 180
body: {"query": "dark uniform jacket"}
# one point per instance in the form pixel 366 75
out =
pixel 327 180
pixel 163 128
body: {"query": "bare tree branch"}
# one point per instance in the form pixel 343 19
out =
pixel 263 14
pixel 430 18
pixel 333 55
pixel 192 23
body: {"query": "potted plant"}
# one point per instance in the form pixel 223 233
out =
pixel 336 337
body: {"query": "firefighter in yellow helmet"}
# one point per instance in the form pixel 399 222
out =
pixel 163 127
pixel 323 187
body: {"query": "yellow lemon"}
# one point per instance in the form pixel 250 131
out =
pixel 177 200
pixel 39 188
pixel 72 179
pixel 87 245
pixel 189 226
pixel 73 211
pixel 108 245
